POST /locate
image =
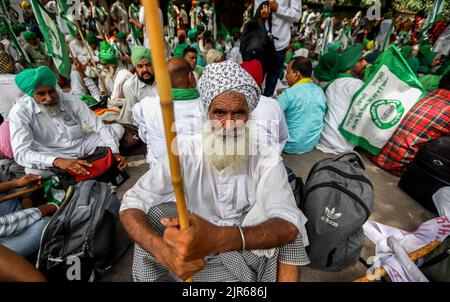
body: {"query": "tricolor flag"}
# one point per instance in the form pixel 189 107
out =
pixel 54 39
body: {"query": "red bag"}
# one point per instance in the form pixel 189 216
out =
pixel 103 165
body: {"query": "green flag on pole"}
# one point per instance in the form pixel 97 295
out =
pixel 436 10
pixel 54 39
pixel 63 8
pixel 12 36
pixel 379 106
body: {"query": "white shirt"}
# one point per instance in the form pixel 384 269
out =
pixel 147 114
pixel 289 12
pixel 142 21
pixel 339 97
pixel 37 139
pixel 220 197
pixel 272 129
pixel 10 93
pixel 116 82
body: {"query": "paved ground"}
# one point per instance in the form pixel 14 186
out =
pixel 392 207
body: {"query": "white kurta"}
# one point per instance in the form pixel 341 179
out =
pixel 147 115
pixel 339 97
pixel 37 139
pixel 220 197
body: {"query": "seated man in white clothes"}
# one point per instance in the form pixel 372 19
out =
pixel 147 113
pixel 245 225
pixel 52 129
pixel 351 66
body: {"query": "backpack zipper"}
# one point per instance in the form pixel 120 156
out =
pixel 346 175
pixel 342 189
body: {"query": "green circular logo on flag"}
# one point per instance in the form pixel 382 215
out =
pixel 67 118
pixel 386 113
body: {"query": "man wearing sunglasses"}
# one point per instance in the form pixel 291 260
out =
pixel 52 129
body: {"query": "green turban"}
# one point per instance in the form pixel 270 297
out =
pixel 405 51
pixel 349 57
pixel 200 27
pixel 326 68
pixel 235 30
pixel 192 34
pixel 3 28
pixel 104 47
pixel 179 50
pixel 91 39
pixel 139 53
pixel 121 36
pixel 337 45
pixel 297 45
pixel 28 35
pixel 18 28
pixel 424 49
pixel 365 42
pixel 29 79
pixel 108 57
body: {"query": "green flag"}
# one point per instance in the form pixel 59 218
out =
pixel 63 8
pixel 54 39
pixel 437 8
pixel 12 36
pixel 379 106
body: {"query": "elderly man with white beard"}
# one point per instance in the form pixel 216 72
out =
pixel 244 223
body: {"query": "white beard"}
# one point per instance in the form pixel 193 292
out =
pixel 227 152
pixel 50 110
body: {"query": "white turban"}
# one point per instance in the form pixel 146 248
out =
pixel 227 76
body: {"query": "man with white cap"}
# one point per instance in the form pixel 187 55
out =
pixel 244 225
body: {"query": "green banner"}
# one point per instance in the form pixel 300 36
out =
pixel 54 39
pixel 379 106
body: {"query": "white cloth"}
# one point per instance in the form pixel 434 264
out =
pixel 79 86
pixel 37 139
pixel 134 91
pixel 441 200
pixel 235 55
pixel 142 21
pixel 114 84
pixel 120 12
pixel 147 114
pixel 10 93
pixel 272 129
pixel 81 52
pixel 220 197
pixel 289 12
pixel 428 232
pixel 339 96
pixel 442 46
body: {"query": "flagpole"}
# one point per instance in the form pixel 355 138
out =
pixel 100 80
pixel 154 30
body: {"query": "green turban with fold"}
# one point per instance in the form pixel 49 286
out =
pixel 139 53
pixel 297 45
pixel 179 50
pixel 326 68
pixel 108 57
pixel 29 79
pixel 28 35
pixel 349 57
pixel 121 36
pixel 192 34
pixel 104 47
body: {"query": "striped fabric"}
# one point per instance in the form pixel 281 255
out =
pixel 15 223
pixel 427 120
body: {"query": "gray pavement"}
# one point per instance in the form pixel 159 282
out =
pixel 392 207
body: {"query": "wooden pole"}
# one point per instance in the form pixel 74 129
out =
pixel 100 80
pixel 420 253
pixel 154 30
pixel 21 193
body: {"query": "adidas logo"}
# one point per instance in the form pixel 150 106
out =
pixel 331 216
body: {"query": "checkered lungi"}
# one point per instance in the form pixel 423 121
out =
pixel 230 266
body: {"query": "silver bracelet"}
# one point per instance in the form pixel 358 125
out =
pixel 242 237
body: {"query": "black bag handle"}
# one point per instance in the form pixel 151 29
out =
pixel 356 155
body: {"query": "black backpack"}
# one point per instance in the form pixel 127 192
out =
pixel 428 172
pixel 256 42
pixel 84 237
pixel 338 201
